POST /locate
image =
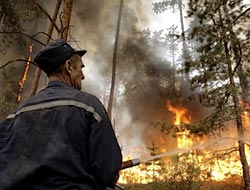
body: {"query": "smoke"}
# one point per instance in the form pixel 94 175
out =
pixel 143 74
pixel 208 145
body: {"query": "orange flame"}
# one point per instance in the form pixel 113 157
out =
pixel 181 116
pixel 212 167
pixel 25 74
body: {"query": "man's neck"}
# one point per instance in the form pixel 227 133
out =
pixel 58 78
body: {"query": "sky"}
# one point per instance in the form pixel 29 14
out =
pixel 162 20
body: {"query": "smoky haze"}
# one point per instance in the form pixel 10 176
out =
pixel 143 74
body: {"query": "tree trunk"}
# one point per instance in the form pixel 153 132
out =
pixel 66 15
pixel 234 41
pixel 185 53
pixel 237 51
pixel 173 73
pixel 240 130
pixel 35 81
pixel 111 97
pixel 239 125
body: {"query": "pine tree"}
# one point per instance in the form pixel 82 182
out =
pixel 221 66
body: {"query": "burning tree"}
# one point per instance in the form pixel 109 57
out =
pixel 220 68
pixel 15 17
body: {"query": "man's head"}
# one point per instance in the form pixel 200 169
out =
pixel 59 60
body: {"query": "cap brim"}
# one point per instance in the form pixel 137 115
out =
pixel 81 52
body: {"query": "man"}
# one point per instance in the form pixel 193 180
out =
pixel 60 138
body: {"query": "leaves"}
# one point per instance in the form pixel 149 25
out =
pixel 217 44
pixel 162 6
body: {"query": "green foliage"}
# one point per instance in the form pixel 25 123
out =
pixel 219 31
pixel 182 172
pixel 219 66
pixel 159 169
pixel 185 172
pixel 159 7
pixel 164 125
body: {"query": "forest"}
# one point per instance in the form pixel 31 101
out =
pixel 178 95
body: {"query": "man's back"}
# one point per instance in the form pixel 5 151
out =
pixel 60 139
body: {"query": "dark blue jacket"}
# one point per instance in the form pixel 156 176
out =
pixel 60 138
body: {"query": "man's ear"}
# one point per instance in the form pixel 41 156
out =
pixel 68 66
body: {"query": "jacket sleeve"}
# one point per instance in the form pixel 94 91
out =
pixel 104 152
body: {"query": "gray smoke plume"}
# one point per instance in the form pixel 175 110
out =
pixel 143 74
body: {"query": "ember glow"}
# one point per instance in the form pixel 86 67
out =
pixel 181 116
pixel 211 154
pixel 25 74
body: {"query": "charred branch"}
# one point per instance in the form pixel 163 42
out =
pixel 27 35
pixel 46 13
pixel 16 60
pixel 219 154
pixel 237 18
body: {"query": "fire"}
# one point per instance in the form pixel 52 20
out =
pixel 25 74
pixel 143 173
pixel 208 153
pixel 221 168
pixel 181 116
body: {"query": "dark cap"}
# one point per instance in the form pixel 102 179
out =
pixel 55 54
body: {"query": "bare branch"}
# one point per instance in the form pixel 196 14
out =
pixel 221 153
pixel 17 60
pixel 62 26
pixel 215 113
pixel 50 31
pixel 61 20
pixel 46 13
pixel 241 15
pixel 43 34
pixel 23 33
